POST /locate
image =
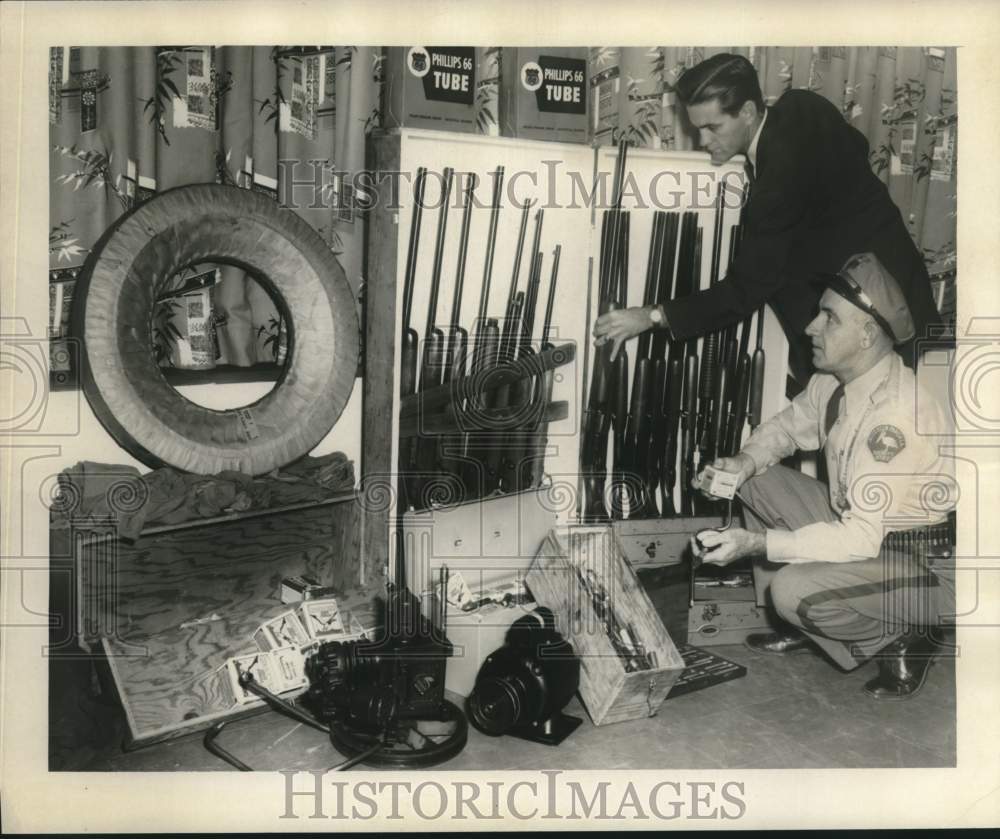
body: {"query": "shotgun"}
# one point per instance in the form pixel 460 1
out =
pixel 453 451
pixel 425 454
pixel 409 352
pixel 710 360
pixel 545 384
pixel 597 415
pixel 757 374
pixel 497 398
pixel 458 337
pixel 689 408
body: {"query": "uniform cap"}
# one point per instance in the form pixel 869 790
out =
pixel 865 282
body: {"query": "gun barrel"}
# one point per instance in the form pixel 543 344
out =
pixel 454 363
pixel 550 304
pixel 491 246
pixel 414 245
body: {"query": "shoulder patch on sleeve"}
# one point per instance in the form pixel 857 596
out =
pixel 885 442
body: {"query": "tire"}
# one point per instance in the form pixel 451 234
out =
pixel 113 314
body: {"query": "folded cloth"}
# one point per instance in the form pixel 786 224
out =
pixel 90 491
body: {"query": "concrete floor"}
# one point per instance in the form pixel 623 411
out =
pixel 797 711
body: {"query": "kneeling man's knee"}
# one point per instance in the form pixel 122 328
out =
pixel 788 588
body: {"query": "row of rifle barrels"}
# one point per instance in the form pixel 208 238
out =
pixel 501 440
pixel 680 401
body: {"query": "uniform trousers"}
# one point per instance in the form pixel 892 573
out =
pixel 851 610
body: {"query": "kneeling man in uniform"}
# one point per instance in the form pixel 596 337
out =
pixel 822 561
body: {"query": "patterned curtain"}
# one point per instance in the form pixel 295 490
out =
pixel 903 99
pixel 128 122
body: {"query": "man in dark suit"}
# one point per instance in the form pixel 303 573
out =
pixel 814 201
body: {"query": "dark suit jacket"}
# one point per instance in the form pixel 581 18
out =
pixel 814 203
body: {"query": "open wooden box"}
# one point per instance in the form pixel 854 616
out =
pixel 575 562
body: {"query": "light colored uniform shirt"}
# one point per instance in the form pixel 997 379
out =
pixel 882 458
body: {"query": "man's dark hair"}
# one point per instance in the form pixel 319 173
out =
pixel 727 77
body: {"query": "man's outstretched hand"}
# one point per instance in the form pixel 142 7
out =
pixel 619 325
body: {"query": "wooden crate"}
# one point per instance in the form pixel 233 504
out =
pixel 659 551
pixel 609 693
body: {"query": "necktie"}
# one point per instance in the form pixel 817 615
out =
pixel 833 409
pixel 748 168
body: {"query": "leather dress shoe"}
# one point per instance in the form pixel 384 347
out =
pixel 777 643
pixel 902 668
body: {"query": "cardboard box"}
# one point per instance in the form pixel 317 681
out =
pixel 543 93
pixel 581 574
pixel 629 96
pixel 718 622
pixel 604 65
pixel 642 96
pixel 431 87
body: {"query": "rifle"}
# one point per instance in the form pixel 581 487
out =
pixel 453 452
pixel 619 371
pixel 518 345
pixel 528 390
pixel 646 391
pixel 597 415
pixel 487 342
pixel 497 399
pixel 738 410
pixel 458 337
pixel 715 443
pixel 424 457
pixel 757 373
pixel 409 352
pixel 689 408
pixel 710 347
pixel 543 386
pixel 655 455
pixel 680 353
pixel 484 345
pixel 672 415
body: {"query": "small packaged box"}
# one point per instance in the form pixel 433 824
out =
pixel 286 630
pixel 718 483
pixel 261 666
pixel 321 619
pixel 295 589
pixel 290 667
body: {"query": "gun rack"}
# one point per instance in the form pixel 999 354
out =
pixel 431 408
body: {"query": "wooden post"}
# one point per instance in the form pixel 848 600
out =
pixel 378 466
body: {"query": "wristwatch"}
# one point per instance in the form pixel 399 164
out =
pixel 656 316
